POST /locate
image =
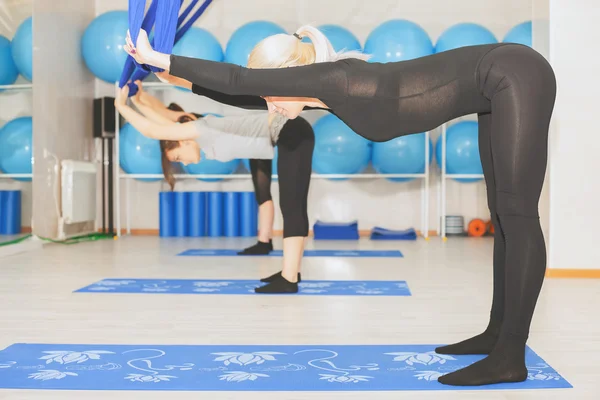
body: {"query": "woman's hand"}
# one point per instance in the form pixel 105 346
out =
pixel 141 51
pixel 140 96
pixel 121 99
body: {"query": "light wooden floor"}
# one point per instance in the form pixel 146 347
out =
pixel 450 282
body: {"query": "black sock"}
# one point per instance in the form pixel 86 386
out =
pixel 278 286
pixel 505 363
pixel 260 248
pixel 481 344
pixel 277 276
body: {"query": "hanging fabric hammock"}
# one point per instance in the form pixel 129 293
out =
pixel 169 27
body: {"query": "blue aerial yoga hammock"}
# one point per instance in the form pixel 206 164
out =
pixel 168 29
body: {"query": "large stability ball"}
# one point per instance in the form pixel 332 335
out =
pixel 102 45
pixel 402 155
pixel 521 34
pixel 22 49
pixel 247 36
pixel 139 154
pixel 8 70
pixel 211 167
pixel 398 40
pixel 338 149
pixel 16 147
pixel 340 38
pixel 462 150
pixel 198 43
pixel 465 34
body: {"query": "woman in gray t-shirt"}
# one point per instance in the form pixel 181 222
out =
pixel 249 136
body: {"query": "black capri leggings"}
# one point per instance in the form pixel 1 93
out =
pixel 295 146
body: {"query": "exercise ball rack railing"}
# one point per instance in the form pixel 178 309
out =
pixel 128 177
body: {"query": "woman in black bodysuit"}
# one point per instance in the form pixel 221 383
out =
pixel 510 87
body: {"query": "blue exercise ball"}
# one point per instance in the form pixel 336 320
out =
pixel 16 142
pixel 139 154
pixel 465 34
pixel 198 43
pixel 402 155
pixel 462 150
pixel 8 70
pixel 22 49
pixel 102 45
pixel 247 36
pixel 521 34
pixel 398 40
pixel 340 38
pixel 211 167
pixel 338 149
pixel 246 163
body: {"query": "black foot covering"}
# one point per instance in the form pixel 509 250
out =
pixel 277 276
pixel 505 364
pixel 481 344
pixel 278 286
pixel 260 248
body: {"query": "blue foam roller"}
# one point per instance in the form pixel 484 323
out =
pixel 215 214
pixel 166 212
pixel 2 210
pixel 248 214
pixel 181 215
pixel 231 222
pixel 11 217
pixel 197 214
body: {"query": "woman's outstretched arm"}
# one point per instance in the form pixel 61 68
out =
pixel 149 128
pixel 240 101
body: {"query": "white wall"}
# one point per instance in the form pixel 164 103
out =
pixel 371 202
pixel 15 104
pixel 62 101
pixel 575 142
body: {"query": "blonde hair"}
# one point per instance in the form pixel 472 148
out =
pixel 283 50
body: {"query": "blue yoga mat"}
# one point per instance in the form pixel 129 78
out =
pixel 307 253
pixel 245 368
pixel 236 286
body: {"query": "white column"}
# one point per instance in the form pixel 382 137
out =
pixel 574 186
pixel 62 101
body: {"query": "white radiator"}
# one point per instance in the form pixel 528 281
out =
pixel 78 192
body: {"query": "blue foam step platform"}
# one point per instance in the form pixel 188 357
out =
pixel 245 287
pixel 336 230
pixel 378 233
pixel 257 368
pixel 307 253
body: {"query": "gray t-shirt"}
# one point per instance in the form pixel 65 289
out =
pixel 234 137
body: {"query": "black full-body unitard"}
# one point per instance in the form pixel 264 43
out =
pixel 295 146
pixel 512 88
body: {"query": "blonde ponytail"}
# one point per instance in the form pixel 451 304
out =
pixel 324 51
pixel 282 50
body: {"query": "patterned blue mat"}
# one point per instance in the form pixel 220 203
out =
pixel 307 253
pixel 235 286
pixel 245 368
